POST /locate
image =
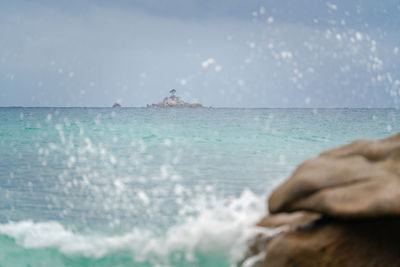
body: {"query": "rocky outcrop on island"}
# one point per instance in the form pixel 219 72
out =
pixel 116 105
pixel 174 102
pixel 341 208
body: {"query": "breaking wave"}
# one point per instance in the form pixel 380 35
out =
pixel 216 236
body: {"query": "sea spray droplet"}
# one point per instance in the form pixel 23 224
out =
pixel 331 6
pixel 178 189
pixel 208 62
pixel 143 197
pixel 167 142
pixel 119 185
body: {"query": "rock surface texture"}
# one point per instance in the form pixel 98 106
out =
pixel 341 208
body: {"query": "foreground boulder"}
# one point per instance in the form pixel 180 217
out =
pixel 321 242
pixel 358 180
pixel 341 208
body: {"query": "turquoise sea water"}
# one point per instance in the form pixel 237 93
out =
pixel 153 187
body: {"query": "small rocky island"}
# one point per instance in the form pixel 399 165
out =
pixel 174 101
pixel 116 105
pixel 341 208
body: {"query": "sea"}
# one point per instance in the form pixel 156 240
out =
pixel 154 187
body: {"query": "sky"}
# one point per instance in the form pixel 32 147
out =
pixel 221 53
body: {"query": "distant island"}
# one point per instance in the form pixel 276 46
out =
pixel 116 105
pixel 174 101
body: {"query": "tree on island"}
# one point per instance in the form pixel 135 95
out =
pixel 172 92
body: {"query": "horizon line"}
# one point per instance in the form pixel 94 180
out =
pixel 205 107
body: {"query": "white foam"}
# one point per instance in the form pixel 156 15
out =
pixel 221 226
pixel 53 235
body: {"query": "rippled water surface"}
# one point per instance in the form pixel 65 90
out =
pixel 148 187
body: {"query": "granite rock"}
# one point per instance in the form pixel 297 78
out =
pixel 358 180
pixel 339 209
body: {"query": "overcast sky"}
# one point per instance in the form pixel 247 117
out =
pixel 237 53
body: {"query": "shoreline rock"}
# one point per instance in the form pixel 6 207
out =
pixel 341 208
pixel 320 241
